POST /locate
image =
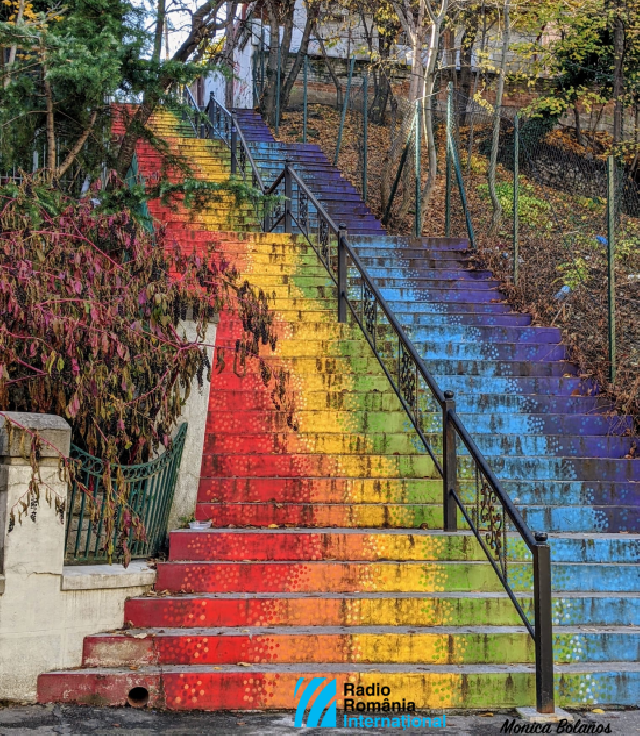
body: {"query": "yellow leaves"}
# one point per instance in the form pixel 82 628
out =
pixel 483 102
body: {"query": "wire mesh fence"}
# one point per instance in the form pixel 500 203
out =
pixel 562 232
pixel 537 206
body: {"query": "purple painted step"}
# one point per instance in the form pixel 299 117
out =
pixel 447 303
pixel 326 182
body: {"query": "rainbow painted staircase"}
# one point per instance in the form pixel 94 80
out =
pixel 325 556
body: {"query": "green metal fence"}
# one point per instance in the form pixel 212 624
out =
pixel 147 491
pixel 133 178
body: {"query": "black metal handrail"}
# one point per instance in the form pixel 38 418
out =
pixel 491 515
pixel 215 121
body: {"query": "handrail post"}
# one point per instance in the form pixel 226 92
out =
pixel 262 60
pixel 543 625
pixel 234 149
pixel 342 274
pixel 288 193
pixel 449 466
pixel 212 110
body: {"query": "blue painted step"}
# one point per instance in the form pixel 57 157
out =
pixel 545 430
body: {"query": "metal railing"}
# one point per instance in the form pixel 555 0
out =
pixel 215 121
pixel 133 178
pixel 148 489
pixel 485 506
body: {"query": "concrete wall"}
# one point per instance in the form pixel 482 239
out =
pixel 195 413
pixel 46 609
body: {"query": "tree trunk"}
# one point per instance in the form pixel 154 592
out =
pixel 332 72
pixel 381 86
pixel 62 169
pixel 466 75
pixel 416 87
pixel 312 16
pixel 429 107
pixel 160 21
pixel 618 73
pixel 133 133
pixel 228 54
pixel 269 98
pixel 491 173
pixel 14 49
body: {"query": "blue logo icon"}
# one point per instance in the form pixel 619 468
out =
pixel 322 705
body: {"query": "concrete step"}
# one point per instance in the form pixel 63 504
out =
pixel 387 443
pixel 338 576
pixel 393 419
pixel 355 644
pixel 369 609
pixel 562 519
pixel 273 687
pixel 374 545
pixel 334 490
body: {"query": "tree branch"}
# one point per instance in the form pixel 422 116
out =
pixel 62 170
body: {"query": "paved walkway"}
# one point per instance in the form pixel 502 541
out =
pixel 50 719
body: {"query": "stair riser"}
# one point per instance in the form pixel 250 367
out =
pixel 407 515
pixel 272 546
pixel 395 420
pixel 413 466
pixel 545 408
pixel 251 691
pixel 340 490
pixel 404 443
pixel 339 577
pixel 505 648
pixel 293 465
pixel 381 611
pixel 442 370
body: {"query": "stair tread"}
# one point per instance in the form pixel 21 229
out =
pixel 211 631
pixel 337 668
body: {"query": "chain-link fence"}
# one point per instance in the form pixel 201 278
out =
pixel 560 230
pixel 536 206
